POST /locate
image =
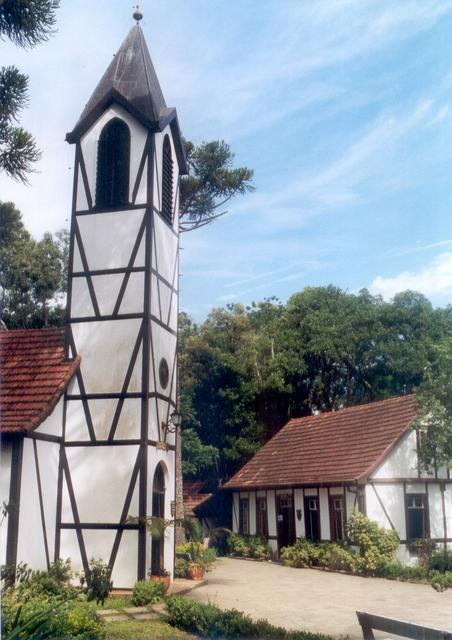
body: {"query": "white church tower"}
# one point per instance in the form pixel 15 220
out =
pixel 117 457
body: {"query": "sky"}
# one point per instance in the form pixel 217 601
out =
pixel 342 108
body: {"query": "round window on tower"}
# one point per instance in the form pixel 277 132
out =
pixel 163 373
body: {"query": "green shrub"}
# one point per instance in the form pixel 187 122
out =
pixel 61 570
pixel 375 544
pixel 209 621
pixel 98 582
pixel 147 592
pixel 337 558
pixel 441 560
pixel 247 546
pixel 50 617
pixel 180 568
pixel 199 554
pixel 299 554
pixel 441 581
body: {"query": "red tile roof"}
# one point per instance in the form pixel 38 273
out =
pixel 194 496
pixel 34 374
pixel 335 447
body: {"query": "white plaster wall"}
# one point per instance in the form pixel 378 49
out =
pixel 435 511
pixel 392 497
pixel 324 515
pixel 448 509
pixel 30 545
pixel 271 510
pixel 300 529
pixel 101 477
pixel 235 512
pixel 89 142
pixel 124 573
pixel 53 424
pixel 252 512
pixel 5 479
pixel 109 238
pixel 106 350
pixel 350 503
pixel 164 255
pixel 402 461
pixel 48 460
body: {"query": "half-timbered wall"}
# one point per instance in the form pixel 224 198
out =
pixel 123 305
pixel 399 477
pixel 5 479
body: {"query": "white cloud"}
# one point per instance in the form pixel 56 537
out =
pixel 435 279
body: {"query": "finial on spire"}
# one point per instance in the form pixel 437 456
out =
pixel 137 15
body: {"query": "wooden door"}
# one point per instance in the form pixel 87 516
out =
pixel 158 511
pixel 285 520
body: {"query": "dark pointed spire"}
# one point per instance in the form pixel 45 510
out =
pixel 130 80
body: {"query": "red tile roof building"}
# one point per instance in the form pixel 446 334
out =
pixel 34 374
pixel 342 446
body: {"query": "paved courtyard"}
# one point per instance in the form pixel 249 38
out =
pixel 318 600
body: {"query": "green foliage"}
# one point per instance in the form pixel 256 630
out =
pixel 61 570
pixel 441 581
pixel 199 554
pixel 305 553
pixel 44 616
pixel 434 424
pixel 210 621
pixel 247 546
pixel 26 24
pixel 147 592
pixel 210 184
pixel 181 568
pixel 32 273
pixel 441 560
pixel 98 581
pixel 245 371
pixel 375 544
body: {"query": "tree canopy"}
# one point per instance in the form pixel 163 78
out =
pixel 245 371
pixel 26 23
pixel 33 274
pixel 212 183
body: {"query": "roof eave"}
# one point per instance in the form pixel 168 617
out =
pixel 38 420
pixel 113 96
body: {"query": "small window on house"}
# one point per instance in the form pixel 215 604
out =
pixel 337 518
pixel 113 160
pixel 244 520
pixel 416 516
pixel 167 182
pixel 261 517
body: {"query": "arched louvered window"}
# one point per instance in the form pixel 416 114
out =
pixel 167 181
pixel 113 160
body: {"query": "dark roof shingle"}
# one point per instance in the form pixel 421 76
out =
pixel 339 446
pixel 34 374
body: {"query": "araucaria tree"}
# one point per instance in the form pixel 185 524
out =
pixel 211 184
pixel 26 23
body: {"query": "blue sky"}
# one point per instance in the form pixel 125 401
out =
pixel 342 108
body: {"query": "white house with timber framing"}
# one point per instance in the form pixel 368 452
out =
pixel 308 478
pixel 86 413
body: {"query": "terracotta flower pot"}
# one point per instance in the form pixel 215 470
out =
pixel 165 579
pixel 196 571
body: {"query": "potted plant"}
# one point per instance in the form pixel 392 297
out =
pixel 161 576
pixel 196 570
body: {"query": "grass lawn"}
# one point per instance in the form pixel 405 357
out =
pixel 115 603
pixel 150 630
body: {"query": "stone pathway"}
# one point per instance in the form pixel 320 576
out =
pixel 151 612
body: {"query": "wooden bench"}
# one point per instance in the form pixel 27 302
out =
pixel 370 622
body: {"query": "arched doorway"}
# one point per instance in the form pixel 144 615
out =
pixel 158 511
